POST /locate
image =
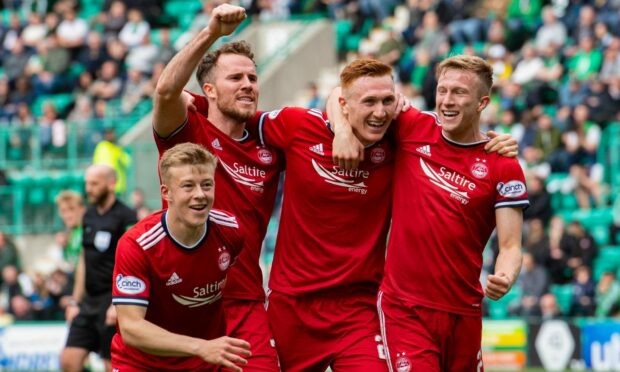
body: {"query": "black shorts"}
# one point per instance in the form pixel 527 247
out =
pixel 88 329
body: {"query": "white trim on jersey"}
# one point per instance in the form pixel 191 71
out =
pixel 146 234
pixel 386 350
pixel 434 115
pixel 223 218
pixel 512 203
pixel 318 114
pixel 160 236
pixel 129 301
pixel 261 124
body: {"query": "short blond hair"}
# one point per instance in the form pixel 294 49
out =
pixel 361 68
pixel 69 197
pixel 475 64
pixel 185 154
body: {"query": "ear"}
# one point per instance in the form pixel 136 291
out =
pixel 483 103
pixel 165 192
pixel 343 105
pixel 209 90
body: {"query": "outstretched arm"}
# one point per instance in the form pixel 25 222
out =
pixel 508 263
pixel 169 107
pixel 150 338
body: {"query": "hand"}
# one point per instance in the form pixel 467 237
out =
pixel 503 144
pixel 188 99
pixel 347 150
pixel 225 351
pixel 497 286
pixel 402 104
pixel 225 18
pixel 71 311
pixel 110 316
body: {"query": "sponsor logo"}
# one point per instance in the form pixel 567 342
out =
pixel 426 150
pixel 129 284
pixel 274 114
pixel 449 181
pixel 555 345
pixel 174 279
pixel 265 156
pixel 216 144
pixel 336 177
pixel 203 295
pixel 377 155
pixel 317 149
pixel 479 169
pixel 511 189
pixel 246 175
pixel 403 364
pixel 224 260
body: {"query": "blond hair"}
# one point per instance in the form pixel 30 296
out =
pixel 69 197
pixel 209 61
pixel 185 154
pixel 363 67
pixel 475 64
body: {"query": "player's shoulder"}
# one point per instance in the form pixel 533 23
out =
pixel 145 233
pixel 223 218
pixel 418 116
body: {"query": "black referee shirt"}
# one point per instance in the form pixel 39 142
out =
pixel 100 237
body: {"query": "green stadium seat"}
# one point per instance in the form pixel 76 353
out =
pixel 564 295
pixel 61 102
pixel 608 260
pixel 499 309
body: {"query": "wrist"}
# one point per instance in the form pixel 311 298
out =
pixel 73 302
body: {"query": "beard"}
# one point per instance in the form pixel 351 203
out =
pixel 234 113
pixel 99 199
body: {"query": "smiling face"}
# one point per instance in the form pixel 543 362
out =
pixel 234 88
pixel 459 104
pixel 190 191
pixel 369 103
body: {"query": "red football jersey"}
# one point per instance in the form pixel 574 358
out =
pixel 246 180
pixel 445 196
pixel 180 286
pixel 334 222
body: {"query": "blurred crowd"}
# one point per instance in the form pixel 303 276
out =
pixel 557 90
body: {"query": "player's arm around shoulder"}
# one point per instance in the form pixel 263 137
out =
pixel 508 264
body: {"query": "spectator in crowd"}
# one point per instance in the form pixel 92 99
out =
pixel 143 56
pixel 579 246
pixel 108 85
pixel 537 241
pixel 48 66
pixel 534 283
pixel 540 200
pixel 559 271
pixel 52 129
pixel 72 31
pixel 35 30
pixel 94 54
pixel 8 253
pixel 166 48
pixel 114 19
pixel 552 32
pixel 584 291
pixel 14 62
pixel 607 295
pixel 134 31
pixel 133 91
pixel 549 308
pixel 12 294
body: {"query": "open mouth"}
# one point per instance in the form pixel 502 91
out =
pixel 198 207
pixel 376 124
pixel 449 114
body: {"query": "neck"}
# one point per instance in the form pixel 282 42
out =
pixel 182 232
pixel 231 127
pixel 107 204
pixel 472 135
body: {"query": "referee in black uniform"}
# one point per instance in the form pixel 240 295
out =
pixel 91 315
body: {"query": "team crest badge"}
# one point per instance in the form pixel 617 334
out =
pixel 224 260
pixel 377 155
pixel 479 169
pixel 265 156
pixel 403 364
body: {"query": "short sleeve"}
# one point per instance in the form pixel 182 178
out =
pixel 511 191
pixel 131 284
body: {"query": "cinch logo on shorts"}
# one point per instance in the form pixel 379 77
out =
pixel 129 284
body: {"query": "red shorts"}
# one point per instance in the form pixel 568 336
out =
pixel 247 320
pixel 314 331
pixel 426 340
